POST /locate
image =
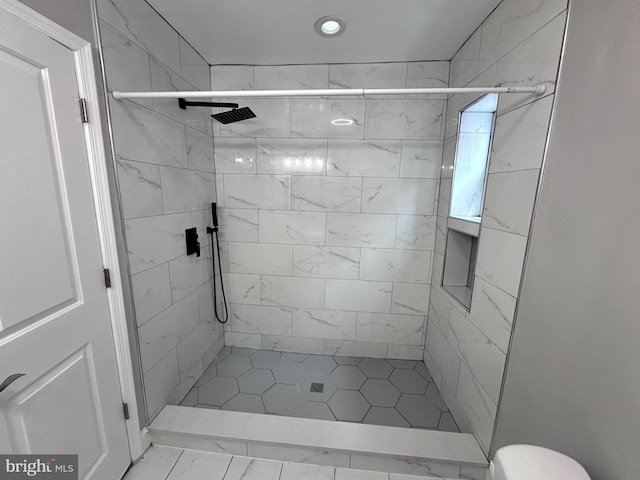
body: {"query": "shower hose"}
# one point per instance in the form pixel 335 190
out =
pixel 215 247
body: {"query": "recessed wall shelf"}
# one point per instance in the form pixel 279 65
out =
pixel 459 266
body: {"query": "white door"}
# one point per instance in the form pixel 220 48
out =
pixel 54 317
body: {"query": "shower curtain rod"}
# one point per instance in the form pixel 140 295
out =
pixel 338 92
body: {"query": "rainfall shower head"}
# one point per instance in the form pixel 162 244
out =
pixel 235 115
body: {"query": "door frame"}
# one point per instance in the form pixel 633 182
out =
pixel 96 156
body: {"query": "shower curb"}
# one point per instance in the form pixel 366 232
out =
pixel 339 444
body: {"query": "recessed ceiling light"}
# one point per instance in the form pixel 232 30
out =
pixel 330 26
pixel 342 122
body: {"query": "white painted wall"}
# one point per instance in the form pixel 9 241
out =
pixel 572 380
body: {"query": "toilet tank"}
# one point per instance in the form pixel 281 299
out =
pixel 528 462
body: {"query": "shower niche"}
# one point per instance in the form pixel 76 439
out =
pixel 459 265
pixel 475 130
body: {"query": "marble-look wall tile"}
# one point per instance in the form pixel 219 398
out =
pixel 242 340
pixel 412 467
pixel 533 62
pixel 514 215
pixel 440 310
pixel 142 135
pixel 360 230
pixel 151 292
pixel 326 324
pixel 428 75
pixel 200 151
pixel 390 328
pixel 405 352
pixel 273 118
pixel 193 347
pixel 184 190
pixel 410 298
pixel 257 191
pixel 238 224
pixel 260 258
pixel 126 64
pixel 520 137
pixel 465 63
pixel 444 200
pixel 399 195
pixel 370 75
pixel 205 300
pixel 312 118
pixel 260 319
pixel 160 381
pixel 448 158
pixel 243 288
pixel 188 272
pixel 232 77
pixel 301 156
pixel 415 232
pixel 404 119
pixel 483 358
pixel 511 23
pixel 292 291
pixel 477 406
pixel 164 79
pixel 326 262
pixel 500 259
pixel 395 265
pixel 140 189
pixel 365 158
pixel 193 67
pixel 444 356
pixel 421 158
pixel 162 333
pixel 292 77
pixel 155 240
pixel 358 295
pixel 347 348
pixel 292 344
pixel 165 166
pixel 235 155
pixel 336 194
pixel 292 227
pixel 140 23
pixel 492 312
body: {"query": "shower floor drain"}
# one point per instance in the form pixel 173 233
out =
pixel 317 387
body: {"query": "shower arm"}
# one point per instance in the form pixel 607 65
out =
pixel 338 92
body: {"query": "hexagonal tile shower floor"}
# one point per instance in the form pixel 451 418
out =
pixel 398 393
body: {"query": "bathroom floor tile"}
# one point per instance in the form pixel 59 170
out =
pixel 256 381
pixel 375 367
pixel 349 406
pixel 233 366
pixel 375 391
pixel 243 402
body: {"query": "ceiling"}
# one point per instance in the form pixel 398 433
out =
pixel 280 32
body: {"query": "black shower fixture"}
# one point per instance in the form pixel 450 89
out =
pixel 234 115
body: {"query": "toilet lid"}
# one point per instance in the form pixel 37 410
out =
pixel 528 462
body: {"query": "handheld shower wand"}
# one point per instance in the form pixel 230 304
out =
pixel 216 248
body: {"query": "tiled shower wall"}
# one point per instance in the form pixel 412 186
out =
pixel 330 230
pixel 518 44
pixel 166 180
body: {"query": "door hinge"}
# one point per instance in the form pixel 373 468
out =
pixel 107 278
pixel 125 409
pixel 84 116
